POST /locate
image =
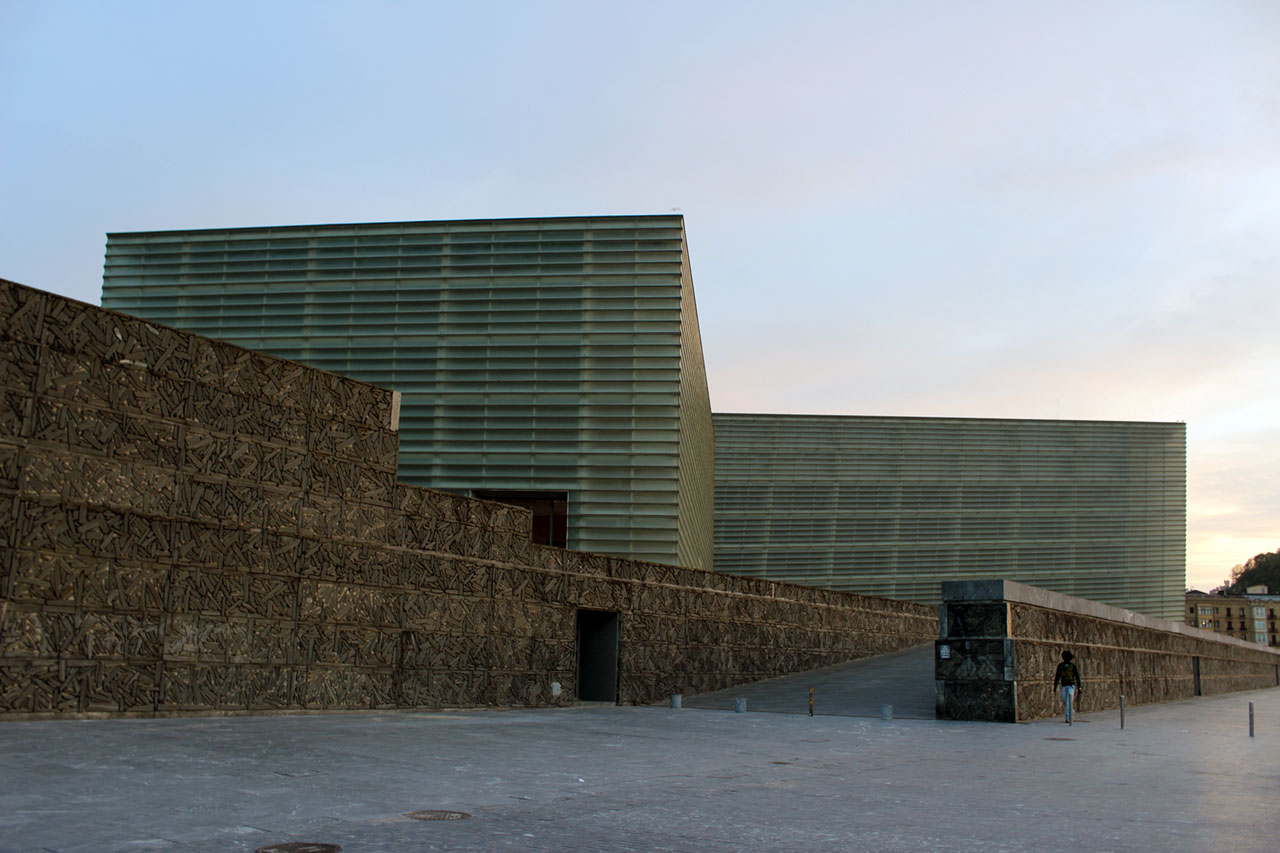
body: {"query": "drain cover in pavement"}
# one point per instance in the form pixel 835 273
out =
pixel 435 814
pixel 299 847
pixel 1059 738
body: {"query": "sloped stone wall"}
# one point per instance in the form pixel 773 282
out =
pixel 1003 642
pixel 187 526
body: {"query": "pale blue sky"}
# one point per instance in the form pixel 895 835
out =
pixel 1007 209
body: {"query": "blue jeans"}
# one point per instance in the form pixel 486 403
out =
pixel 1068 693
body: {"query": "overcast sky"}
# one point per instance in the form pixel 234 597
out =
pixel 993 209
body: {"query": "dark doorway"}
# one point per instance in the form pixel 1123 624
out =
pixel 597 656
pixel 1195 674
pixel 550 512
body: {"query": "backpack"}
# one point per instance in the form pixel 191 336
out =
pixel 1070 674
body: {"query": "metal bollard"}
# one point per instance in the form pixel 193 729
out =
pixel 886 712
pixel 739 706
pixel 1250 719
pixel 675 700
pixel 811 700
pixel 1122 710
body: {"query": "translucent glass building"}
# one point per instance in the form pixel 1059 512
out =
pixel 557 364
pixel 894 506
pixel 553 363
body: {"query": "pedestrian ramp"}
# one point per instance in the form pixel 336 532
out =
pixel 861 688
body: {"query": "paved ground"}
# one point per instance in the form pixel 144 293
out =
pixel 1179 777
pixel 858 689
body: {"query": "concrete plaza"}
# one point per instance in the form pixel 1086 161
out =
pixel 1180 776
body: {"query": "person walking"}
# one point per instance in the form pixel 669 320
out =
pixel 1068 675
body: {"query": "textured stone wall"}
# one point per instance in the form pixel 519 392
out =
pixel 187 526
pixel 1003 642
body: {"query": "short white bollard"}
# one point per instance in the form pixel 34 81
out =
pixel 739 706
pixel 886 712
pixel 675 700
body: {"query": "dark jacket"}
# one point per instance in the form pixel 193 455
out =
pixel 1068 674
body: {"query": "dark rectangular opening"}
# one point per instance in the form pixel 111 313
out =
pixel 550 512
pixel 597 656
pixel 1195 674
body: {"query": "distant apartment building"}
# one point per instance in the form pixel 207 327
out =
pixel 1251 617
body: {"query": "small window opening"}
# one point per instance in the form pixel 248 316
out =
pixel 550 512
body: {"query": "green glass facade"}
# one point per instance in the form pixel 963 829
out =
pixel 894 506
pixel 533 355
pixel 560 360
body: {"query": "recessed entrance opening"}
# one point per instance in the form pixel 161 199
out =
pixel 597 656
pixel 1195 674
pixel 550 512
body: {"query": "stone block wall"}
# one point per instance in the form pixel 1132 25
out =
pixel 1002 641
pixel 190 527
